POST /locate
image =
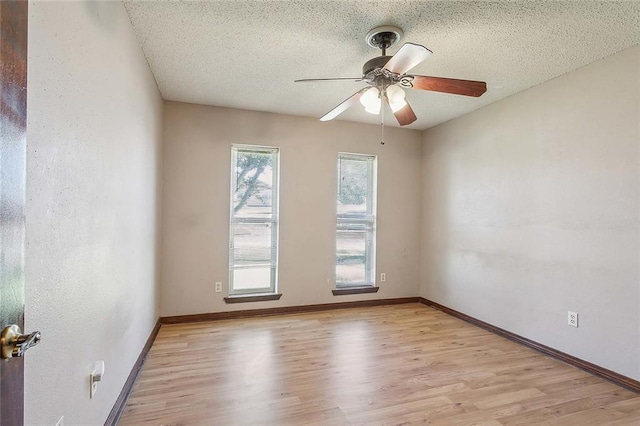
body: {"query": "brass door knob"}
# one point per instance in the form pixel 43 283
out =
pixel 14 344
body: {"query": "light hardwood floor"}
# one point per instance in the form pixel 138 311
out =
pixel 381 365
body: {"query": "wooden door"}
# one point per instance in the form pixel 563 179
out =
pixel 13 131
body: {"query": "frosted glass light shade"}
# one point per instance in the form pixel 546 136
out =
pixel 396 98
pixel 371 100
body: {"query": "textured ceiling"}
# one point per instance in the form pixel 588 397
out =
pixel 246 54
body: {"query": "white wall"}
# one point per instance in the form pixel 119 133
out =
pixel 197 158
pixel 530 209
pixel 94 140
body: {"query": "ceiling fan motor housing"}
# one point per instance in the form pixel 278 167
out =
pixel 381 38
pixel 372 64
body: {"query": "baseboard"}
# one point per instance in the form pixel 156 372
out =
pixel 283 310
pixel 118 406
pixel 612 376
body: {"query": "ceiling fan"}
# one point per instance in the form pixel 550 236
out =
pixel 387 75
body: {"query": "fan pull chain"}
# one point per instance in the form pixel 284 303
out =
pixel 382 124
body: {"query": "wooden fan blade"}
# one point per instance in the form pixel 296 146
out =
pixel 312 80
pixel 404 115
pixel 449 85
pixel 344 105
pixel 407 57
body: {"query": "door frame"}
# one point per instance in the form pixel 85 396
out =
pixel 13 137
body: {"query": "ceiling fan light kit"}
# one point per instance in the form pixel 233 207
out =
pixel 371 100
pixel 387 74
pixel 396 98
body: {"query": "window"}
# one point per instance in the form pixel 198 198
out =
pixel 356 220
pixel 253 254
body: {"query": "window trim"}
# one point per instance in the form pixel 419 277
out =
pixel 368 220
pixel 273 220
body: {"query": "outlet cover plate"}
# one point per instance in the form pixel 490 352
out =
pixel 572 319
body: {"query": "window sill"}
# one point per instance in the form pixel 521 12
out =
pixel 354 290
pixel 252 298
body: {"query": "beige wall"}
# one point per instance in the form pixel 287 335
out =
pixel 94 139
pixel 197 157
pixel 530 209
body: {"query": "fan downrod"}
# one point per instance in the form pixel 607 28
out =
pixel 384 37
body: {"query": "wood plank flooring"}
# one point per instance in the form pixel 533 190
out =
pixel 400 364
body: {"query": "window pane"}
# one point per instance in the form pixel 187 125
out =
pixel 252 244
pixel 252 186
pixel 253 258
pixel 252 278
pixel 353 185
pixel 351 249
pixel 355 231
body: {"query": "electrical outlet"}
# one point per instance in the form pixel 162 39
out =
pixel 572 319
pixel 60 422
pixel 383 277
pixel 218 286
